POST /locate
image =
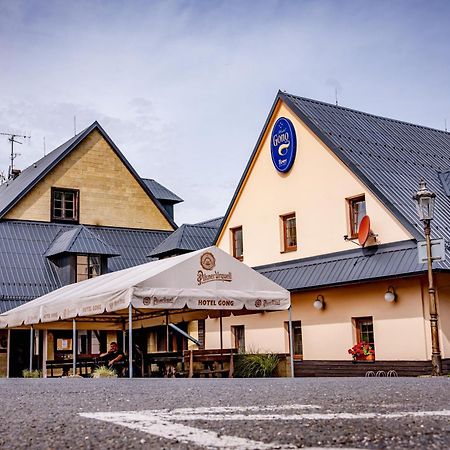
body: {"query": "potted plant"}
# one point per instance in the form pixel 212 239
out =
pixel 362 352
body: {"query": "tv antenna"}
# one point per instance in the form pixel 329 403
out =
pixel 12 137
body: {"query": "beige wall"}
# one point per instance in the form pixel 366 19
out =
pixel 315 189
pixel 443 290
pixel 399 327
pixel 109 194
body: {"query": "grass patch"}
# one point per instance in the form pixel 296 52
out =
pixel 255 365
pixel 31 373
pixel 104 372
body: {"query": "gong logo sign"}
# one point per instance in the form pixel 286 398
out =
pixel 283 144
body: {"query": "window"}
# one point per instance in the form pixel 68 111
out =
pixel 289 232
pixel 357 210
pixel 364 331
pixel 297 337
pixel 238 245
pixel 238 333
pixel 88 266
pixel 65 205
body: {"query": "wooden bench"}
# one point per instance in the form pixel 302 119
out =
pixel 84 365
pixel 210 359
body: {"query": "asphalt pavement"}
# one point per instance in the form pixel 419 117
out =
pixel 377 413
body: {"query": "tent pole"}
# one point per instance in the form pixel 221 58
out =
pixel 291 342
pixel 221 331
pixel 124 337
pixel 44 353
pixel 8 352
pixel 31 347
pixel 74 347
pixel 167 331
pixel 130 341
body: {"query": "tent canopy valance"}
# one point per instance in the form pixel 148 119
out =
pixel 208 279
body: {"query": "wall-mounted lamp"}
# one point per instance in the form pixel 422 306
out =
pixel 319 302
pixel 390 295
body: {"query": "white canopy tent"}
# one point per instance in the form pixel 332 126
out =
pixel 201 281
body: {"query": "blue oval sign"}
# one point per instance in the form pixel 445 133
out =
pixel 283 144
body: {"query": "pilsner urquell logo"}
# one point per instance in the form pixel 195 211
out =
pixel 208 262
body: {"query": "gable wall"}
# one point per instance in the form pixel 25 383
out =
pixel 315 189
pixel 109 194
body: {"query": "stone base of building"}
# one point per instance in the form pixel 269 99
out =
pixel 360 369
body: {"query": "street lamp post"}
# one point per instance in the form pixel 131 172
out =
pixel 425 207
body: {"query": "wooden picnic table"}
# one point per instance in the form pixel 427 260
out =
pixel 165 361
pixel 213 361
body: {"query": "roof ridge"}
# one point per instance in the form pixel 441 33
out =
pixel 199 226
pixel 78 229
pixel 209 220
pixel 390 119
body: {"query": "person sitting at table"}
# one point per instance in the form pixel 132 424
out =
pixel 112 357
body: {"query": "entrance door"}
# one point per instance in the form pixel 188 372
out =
pixel 19 354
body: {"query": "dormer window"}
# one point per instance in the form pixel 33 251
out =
pixel 88 266
pixel 65 205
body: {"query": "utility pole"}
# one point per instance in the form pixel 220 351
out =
pixel 12 137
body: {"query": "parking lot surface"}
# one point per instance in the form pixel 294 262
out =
pixel 395 413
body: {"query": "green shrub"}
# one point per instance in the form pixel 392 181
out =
pixel 31 373
pixel 104 372
pixel 255 365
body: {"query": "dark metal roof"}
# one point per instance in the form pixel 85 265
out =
pixel 25 271
pixel 212 222
pixel 80 240
pixel 388 156
pixel 363 264
pixel 14 190
pixel 187 238
pixel 161 192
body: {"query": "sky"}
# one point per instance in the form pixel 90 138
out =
pixel 184 87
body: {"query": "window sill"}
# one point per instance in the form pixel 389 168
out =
pixel 71 221
pixel 289 250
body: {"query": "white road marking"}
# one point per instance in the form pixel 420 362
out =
pixel 157 426
pixel 166 424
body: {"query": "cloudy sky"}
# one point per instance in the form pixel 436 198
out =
pixel 184 87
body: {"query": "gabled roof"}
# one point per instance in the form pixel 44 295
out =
pixel 188 238
pixel 161 192
pixel 80 240
pixel 351 266
pixel 14 190
pixel 27 273
pixel 389 156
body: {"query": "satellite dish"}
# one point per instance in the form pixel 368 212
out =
pixel 364 230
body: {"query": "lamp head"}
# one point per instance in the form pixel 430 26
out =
pixel 424 202
pixel 390 295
